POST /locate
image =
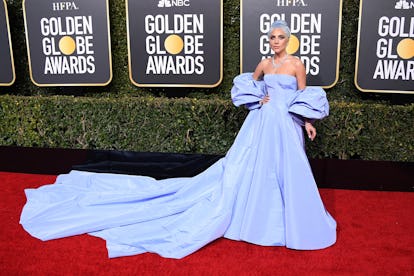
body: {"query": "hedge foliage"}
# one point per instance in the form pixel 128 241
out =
pixel 353 130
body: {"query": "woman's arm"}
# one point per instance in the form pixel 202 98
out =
pixel 258 73
pixel 300 73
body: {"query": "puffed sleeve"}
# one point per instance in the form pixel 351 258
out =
pixel 310 103
pixel 247 91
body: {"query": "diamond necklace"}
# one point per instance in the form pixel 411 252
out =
pixel 277 65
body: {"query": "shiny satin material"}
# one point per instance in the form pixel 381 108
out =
pixel 262 191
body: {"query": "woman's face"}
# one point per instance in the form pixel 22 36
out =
pixel 278 40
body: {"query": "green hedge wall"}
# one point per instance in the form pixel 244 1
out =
pixel 369 126
pixel 353 130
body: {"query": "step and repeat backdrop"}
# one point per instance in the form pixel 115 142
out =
pixel 385 47
pixel 68 43
pixel 179 43
pixel 175 43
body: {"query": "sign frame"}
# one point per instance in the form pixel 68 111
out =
pixel 73 83
pixel 152 85
pixel 338 55
pixel 357 63
pixel 10 47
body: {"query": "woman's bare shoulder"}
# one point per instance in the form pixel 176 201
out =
pixel 265 61
pixel 263 64
pixel 295 59
pixel 296 62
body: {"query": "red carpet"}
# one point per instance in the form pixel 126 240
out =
pixel 375 237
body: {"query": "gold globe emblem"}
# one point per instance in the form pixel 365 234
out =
pixel 405 48
pixel 67 45
pixel 293 45
pixel 174 44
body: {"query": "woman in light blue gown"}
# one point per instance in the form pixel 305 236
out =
pixel 262 191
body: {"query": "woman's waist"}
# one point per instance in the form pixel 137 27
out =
pixel 278 104
pixel 280 99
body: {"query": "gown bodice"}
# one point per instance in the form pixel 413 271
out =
pixel 281 88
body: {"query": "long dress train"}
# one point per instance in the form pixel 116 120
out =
pixel 262 191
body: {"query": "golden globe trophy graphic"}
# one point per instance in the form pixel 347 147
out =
pixel 68 42
pixel 315 35
pixel 175 43
pixel 7 73
pixel 385 49
pixel 293 45
pixel 67 45
pixel 405 48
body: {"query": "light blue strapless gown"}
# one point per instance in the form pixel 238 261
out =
pixel 262 191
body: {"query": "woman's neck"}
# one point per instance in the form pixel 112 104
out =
pixel 280 55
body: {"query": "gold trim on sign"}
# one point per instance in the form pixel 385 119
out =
pixel 10 46
pixel 177 84
pixel 357 63
pixel 241 37
pixel 69 84
pixel 357 49
pixel 338 53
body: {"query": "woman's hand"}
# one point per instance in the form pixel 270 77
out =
pixel 310 130
pixel 266 99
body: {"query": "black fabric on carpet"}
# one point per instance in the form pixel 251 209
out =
pixel 157 165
